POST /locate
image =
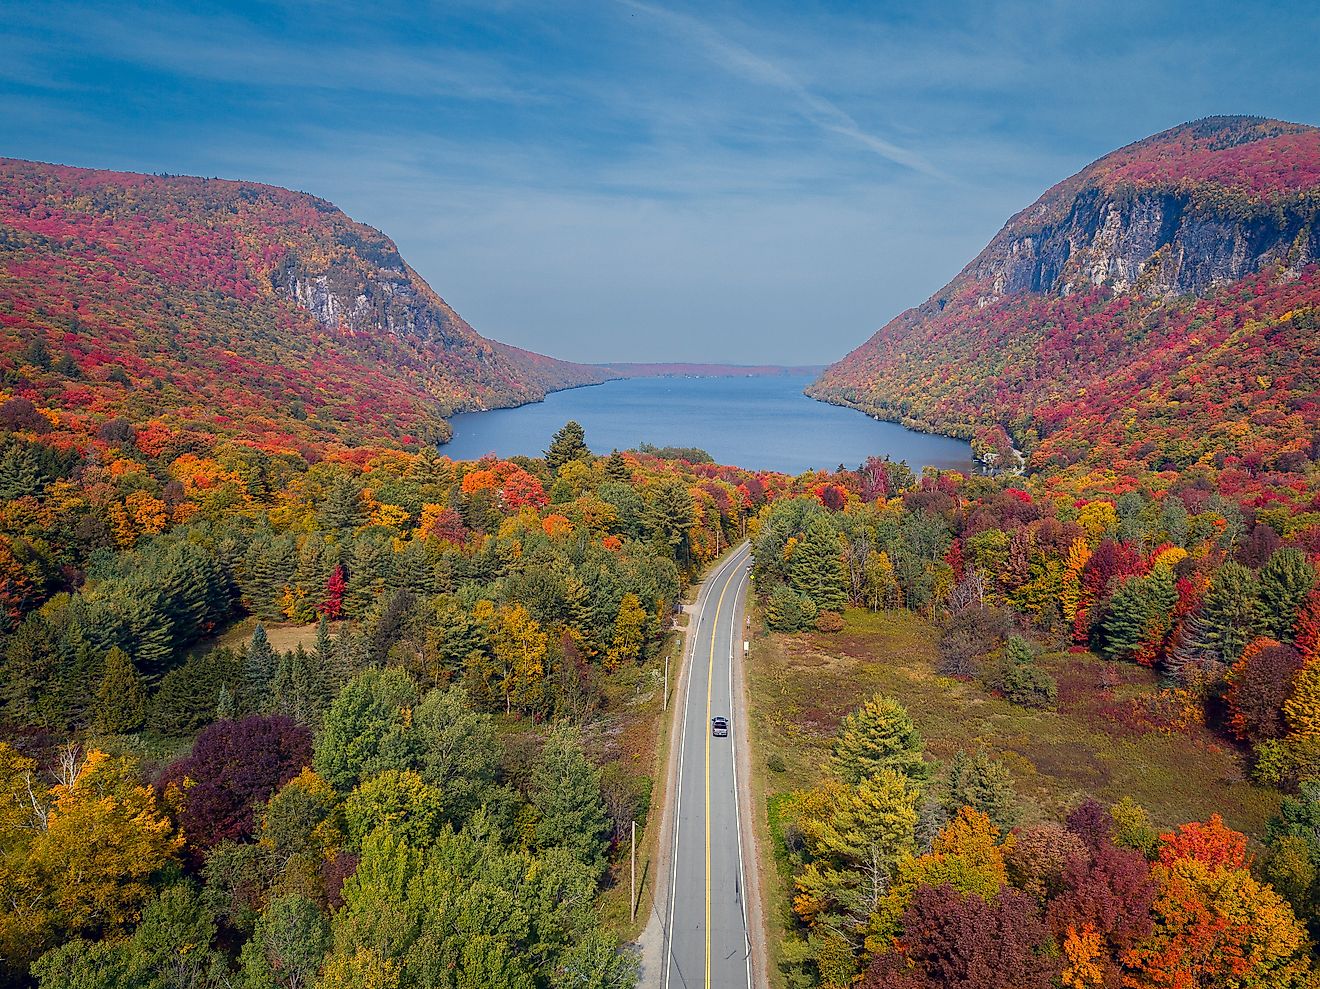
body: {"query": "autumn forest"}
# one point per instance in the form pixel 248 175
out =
pixel 289 698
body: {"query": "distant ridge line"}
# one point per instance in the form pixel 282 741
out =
pixel 682 369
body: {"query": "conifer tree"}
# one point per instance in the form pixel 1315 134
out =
pixel 259 669
pixel 121 700
pixel 225 708
pixel 1285 581
pixel 567 445
pixel 616 468
pixel 878 735
pixel 20 474
pixel 983 784
pixel 342 508
pixel 1230 616
pixel 816 568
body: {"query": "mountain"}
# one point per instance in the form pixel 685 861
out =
pixel 198 309
pixel 1155 311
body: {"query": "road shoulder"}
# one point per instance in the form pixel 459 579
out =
pixel 754 890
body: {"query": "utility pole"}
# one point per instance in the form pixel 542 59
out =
pixel 666 703
pixel 633 876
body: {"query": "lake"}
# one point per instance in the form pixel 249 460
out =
pixel 755 422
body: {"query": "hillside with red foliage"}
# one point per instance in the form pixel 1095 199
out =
pixel 196 309
pixel 1155 314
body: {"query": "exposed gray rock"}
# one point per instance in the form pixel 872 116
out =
pixel 1159 243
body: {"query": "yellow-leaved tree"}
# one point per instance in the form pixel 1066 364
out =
pixel 77 855
pixel 1302 708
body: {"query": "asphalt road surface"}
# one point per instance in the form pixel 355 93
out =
pixel 707 942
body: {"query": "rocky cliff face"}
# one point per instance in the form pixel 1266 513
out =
pixel 1184 257
pixel 1157 242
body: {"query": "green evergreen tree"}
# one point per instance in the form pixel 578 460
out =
pixel 259 669
pixel 788 611
pixel 567 445
pixel 321 649
pixel 616 468
pixel 1285 581
pixel 368 573
pixel 150 634
pixel 879 735
pixel 1139 613
pixel 1018 677
pixel 342 508
pixel 20 473
pixel 68 367
pixel 269 568
pixel 982 783
pixel 37 354
pixel 186 699
pixel 30 659
pixel 225 708
pixel 1230 615
pixel 121 700
pixel 669 515
pixel 565 790
pixel 816 568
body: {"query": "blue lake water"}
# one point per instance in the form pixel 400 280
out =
pixel 755 422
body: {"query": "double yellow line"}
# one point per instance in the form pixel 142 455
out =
pixel 710 681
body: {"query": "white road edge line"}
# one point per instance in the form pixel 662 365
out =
pixel 733 749
pixel 682 746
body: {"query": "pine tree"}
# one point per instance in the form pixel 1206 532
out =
pixel 121 700
pixel 1139 616
pixel 616 468
pixel 816 568
pixel 567 445
pixel 1230 616
pixel 225 708
pixel 151 634
pixel 983 784
pixel 1285 581
pixel 29 661
pixel 367 574
pixel 342 508
pixel 20 474
pixel 321 649
pixel 878 735
pixel 259 668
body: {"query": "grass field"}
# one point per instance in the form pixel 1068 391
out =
pixel 801 686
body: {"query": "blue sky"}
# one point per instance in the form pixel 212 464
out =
pixel 632 180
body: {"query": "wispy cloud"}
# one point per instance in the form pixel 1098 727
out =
pixel 757 68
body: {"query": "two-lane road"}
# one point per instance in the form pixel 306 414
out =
pixel 707 943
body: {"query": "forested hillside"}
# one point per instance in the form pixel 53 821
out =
pixel 428 789
pixel 182 310
pixel 1154 314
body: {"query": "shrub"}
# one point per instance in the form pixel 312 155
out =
pixel 829 621
pixel 1016 675
pixel 789 611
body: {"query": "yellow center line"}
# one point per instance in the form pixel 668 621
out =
pixel 710 679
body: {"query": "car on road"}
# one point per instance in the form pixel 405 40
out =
pixel 719 726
